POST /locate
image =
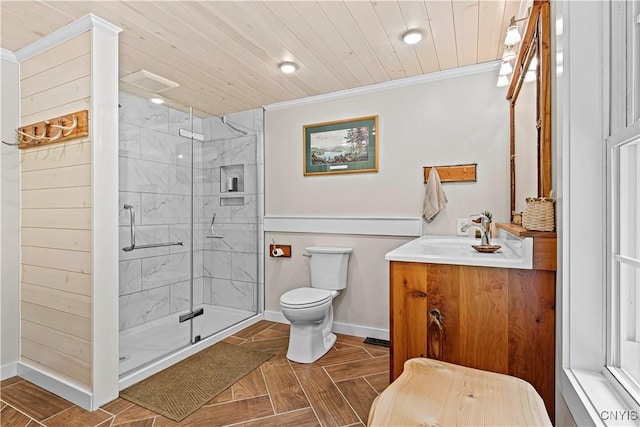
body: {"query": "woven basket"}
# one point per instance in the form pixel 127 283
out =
pixel 539 214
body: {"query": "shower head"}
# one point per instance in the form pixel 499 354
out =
pixel 224 120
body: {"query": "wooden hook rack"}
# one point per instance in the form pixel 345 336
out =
pixel 453 173
pixel 58 129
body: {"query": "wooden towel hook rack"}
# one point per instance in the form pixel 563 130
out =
pixel 453 173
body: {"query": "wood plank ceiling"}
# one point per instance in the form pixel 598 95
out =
pixel 224 54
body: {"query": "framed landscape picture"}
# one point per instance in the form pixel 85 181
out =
pixel 343 146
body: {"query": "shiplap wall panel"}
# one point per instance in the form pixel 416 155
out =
pixel 71 324
pixel 69 71
pixel 77 261
pixel 77 219
pixel 68 302
pixel 59 110
pixel 56 156
pixel 52 198
pixel 72 91
pixel 60 341
pixel 75 240
pixel 56 56
pixel 56 215
pixel 69 366
pixel 71 176
pixel 69 281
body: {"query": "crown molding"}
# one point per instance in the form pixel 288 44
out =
pixel 393 84
pixel 7 55
pixel 61 35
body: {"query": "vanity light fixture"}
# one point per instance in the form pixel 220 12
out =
pixel 509 53
pixel 157 100
pixel 513 34
pixel 505 69
pixel 412 36
pixel 288 67
pixel 503 81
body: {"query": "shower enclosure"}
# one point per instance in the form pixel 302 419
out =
pixel 189 223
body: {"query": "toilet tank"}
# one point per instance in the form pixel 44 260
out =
pixel 329 267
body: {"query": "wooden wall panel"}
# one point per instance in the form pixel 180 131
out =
pixel 57 156
pixel 77 283
pixel 60 300
pixel 77 261
pixel 56 56
pixel 60 341
pixel 53 198
pixel 49 358
pixel 56 216
pixel 61 177
pixel 71 324
pixel 78 219
pixel 71 70
pixel 75 240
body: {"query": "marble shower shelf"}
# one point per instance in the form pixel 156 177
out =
pixel 231 201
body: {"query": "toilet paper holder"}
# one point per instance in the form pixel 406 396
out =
pixel 279 251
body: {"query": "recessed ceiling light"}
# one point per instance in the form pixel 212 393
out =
pixel 157 100
pixel 412 36
pixel 288 67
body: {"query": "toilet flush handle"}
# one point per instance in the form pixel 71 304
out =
pixel 308 255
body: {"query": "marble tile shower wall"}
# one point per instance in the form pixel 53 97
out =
pixel 231 264
pixel 155 178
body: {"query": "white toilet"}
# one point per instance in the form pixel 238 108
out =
pixel 310 310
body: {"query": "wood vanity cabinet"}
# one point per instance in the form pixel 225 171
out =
pixel 496 319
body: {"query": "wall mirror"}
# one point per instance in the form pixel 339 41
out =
pixel 529 96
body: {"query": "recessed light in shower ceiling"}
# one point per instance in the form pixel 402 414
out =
pixel 148 81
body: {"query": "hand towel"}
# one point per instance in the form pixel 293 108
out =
pixel 434 198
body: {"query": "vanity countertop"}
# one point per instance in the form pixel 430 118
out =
pixel 515 252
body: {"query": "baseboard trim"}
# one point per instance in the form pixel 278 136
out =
pixel 58 386
pixel 339 327
pixel 9 370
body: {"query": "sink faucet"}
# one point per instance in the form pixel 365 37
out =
pixel 480 221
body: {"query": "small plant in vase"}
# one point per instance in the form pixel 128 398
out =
pixel 491 231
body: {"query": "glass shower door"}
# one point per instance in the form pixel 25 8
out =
pixel 156 184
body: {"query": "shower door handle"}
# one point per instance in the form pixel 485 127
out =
pixel 132 216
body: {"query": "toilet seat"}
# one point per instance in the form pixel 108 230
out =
pixel 306 297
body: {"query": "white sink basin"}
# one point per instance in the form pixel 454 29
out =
pixel 514 253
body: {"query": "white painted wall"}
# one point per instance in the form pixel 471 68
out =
pixel 9 217
pixel 457 117
pixel 454 120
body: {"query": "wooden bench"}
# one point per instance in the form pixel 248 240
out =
pixel 434 393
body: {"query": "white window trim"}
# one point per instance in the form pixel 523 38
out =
pixel 582 122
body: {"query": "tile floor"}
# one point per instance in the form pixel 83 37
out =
pixel 336 390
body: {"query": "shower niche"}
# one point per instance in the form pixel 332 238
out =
pixel 231 181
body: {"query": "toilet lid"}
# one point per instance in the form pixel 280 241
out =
pixel 305 297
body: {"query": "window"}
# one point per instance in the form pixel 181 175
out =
pixel 623 254
pixel 624 259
